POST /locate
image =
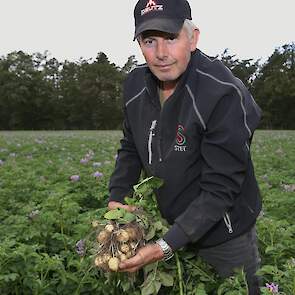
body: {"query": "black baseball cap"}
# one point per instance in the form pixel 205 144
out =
pixel 160 15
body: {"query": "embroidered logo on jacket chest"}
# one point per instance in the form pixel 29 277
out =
pixel 180 140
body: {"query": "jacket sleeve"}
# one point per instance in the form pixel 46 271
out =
pixel 225 155
pixel 128 166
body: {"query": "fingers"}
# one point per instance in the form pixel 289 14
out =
pixel 132 264
pixel 114 205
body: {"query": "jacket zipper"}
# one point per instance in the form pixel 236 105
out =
pixel 159 149
pixel 151 134
pixel 227 222
pixel 160 136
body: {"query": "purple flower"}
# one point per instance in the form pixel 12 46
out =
pixel 80 248
pixel 273 288
pixel 97 174
pixel 84 161
pixel 74 178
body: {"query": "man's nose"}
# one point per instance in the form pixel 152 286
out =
pixel 162 49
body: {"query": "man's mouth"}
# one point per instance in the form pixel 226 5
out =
pixel 163 67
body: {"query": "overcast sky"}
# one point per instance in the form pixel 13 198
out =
pixel 70 29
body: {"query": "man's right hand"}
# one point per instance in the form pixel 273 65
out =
pixel 114 205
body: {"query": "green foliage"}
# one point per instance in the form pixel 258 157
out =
pixel 274 88
pixel 39 92
pixel 44 213
pixel 245 70
pixel 121 215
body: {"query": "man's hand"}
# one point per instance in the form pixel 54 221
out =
pixel 146 255
pixel 114 205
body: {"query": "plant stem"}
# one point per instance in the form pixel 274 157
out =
pixel 77 292
pixel 246 283
pixel 62 225
pixel 201 271
pixel 180 279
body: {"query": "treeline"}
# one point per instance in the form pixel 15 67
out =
pixel 39 92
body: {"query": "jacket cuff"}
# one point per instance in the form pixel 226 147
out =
pixel 117 195
pixel 176 237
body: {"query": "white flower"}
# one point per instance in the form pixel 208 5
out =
pixel 96 164
pixel 74 178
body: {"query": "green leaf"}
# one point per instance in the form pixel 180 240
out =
pixel 147 186
pixel 269 249
pixel 166 279
pixel 129 201
pixel 151 289
pixel 151 233
pixel 114 214
pixel 267 269
pixel 201 289
pixel 127 218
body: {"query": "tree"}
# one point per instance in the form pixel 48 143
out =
pixel 25 95
pixel 274 88
pixel 245 69
pixel 129 65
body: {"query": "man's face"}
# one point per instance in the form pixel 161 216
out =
pixel 167 55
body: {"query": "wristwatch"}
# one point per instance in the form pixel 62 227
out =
pixel 168 253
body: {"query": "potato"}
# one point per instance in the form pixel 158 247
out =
pixel 129 254
pixel 124 248
pixel 122 236
pixel 95 223
pixel 103 236
pixel 122 257
pixel 109 228
pixel 99 261
pixel 114 264
pixel 106 258
pixel 131 232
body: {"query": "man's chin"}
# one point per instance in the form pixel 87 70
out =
pixel 166 78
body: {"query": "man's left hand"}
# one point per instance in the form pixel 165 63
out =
pixel 145 255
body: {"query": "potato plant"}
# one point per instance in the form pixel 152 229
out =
pixel 54 189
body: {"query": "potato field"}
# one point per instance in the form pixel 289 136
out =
pixel 54 185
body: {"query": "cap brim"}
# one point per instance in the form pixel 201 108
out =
pixel 166 25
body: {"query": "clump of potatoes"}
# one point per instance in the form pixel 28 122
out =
pixel 116 243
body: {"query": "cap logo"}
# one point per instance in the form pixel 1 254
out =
pixel 151 6
pixel 151 3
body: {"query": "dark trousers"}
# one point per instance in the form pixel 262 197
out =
pixel 239 252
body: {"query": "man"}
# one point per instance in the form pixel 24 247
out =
pixel 189 121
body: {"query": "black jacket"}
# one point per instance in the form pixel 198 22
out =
pixel 199 143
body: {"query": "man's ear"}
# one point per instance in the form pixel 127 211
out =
pixel 195 39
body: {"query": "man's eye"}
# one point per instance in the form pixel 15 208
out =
pixel 148 41
pixel 171 39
